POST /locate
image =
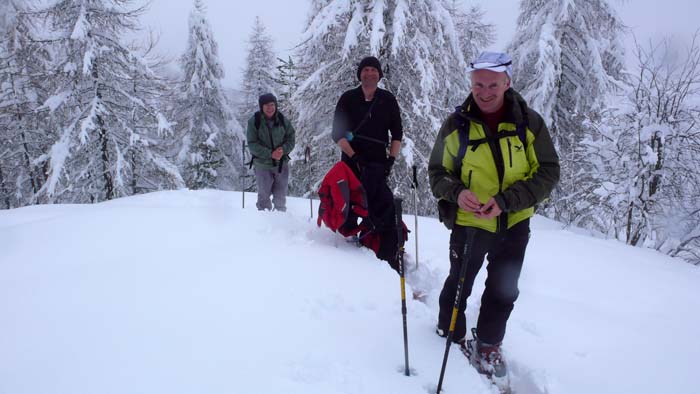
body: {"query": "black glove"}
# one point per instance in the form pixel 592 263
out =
pixel 358 162
pixel 389 163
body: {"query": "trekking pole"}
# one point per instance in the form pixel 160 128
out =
pixel 242 178
pixel 415 212
pixel 307 161
pixel 455 309
pixel 399 257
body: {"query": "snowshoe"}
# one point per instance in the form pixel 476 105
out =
pixel 488 361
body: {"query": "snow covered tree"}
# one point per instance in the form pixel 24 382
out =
pixel 22 142
pixel 473 32
pixel 287 83
pixel 210 137
pixel 259 76
pixel 567 58
pixel 97 103
pixel 421 52
pixel 153 145
pixel 644 154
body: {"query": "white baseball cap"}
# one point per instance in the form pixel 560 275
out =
pixel 493 61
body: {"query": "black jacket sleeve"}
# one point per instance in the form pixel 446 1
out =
pixel 396 127
pixel 341 118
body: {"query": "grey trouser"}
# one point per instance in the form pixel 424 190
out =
pixel 272 182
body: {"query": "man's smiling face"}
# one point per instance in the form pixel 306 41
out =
pixel 489 88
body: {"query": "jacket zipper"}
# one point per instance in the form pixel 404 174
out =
pixel 272 142
pixel 510 153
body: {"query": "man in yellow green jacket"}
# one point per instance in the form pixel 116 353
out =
pixel 492 161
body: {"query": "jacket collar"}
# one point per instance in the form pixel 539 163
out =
pixel 275 119
pixel 359 93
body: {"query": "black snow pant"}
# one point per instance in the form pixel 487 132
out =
pixel 506 252
pixel 380 204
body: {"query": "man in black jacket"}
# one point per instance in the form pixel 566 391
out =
pixel 366 122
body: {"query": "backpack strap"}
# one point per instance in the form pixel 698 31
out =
pixel 465 142
pixel 279 114
pixel 521 129
pixel 368 115
pixel 463 134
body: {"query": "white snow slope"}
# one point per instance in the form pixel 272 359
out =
pixel 186 292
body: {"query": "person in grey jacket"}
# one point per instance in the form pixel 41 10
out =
pixel 270 140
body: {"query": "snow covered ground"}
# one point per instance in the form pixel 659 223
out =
pixel 186 292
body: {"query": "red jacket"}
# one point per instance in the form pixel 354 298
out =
pixel 341 194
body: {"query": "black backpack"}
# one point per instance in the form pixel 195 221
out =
pixel 447 210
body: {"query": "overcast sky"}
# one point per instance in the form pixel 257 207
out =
pixel 232 22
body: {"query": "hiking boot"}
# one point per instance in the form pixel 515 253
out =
pixel 443 333
pixel 486 358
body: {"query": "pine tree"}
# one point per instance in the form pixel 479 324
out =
pixel 209 135
pixel 421 51
pixel 287 83
pixel 567 59
pixel 259 76
pixel 98 103
pixel 22 142
pixel 473 32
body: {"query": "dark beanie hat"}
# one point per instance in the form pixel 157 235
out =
pixel 370 61
pixel 267 98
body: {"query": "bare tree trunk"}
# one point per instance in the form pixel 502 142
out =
pixel 109 183
pixel 103 139
pixel 4 190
